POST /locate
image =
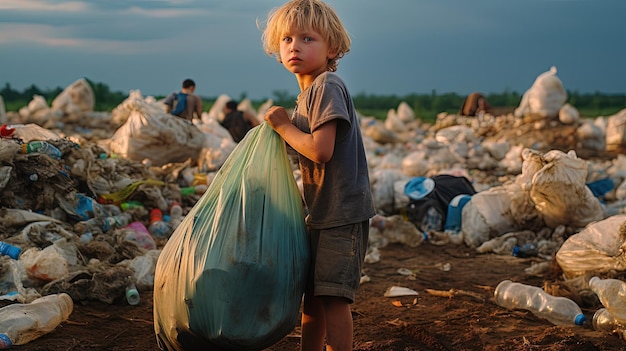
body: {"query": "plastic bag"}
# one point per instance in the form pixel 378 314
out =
pixel 560 193
pixel 598 249
pixel 232 275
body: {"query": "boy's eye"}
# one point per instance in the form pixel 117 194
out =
pixel 287 39
pixel 308 39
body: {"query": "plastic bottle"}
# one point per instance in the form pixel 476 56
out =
pixel 137 232
pixel 176 215
pixel 603 320
pixel 612 295
pixel 195 189
pixel 42 147
pixel 125 206
pixel 525 250
pixel 132 295
pixel 10 250
pixel 157 226
pixel 22 323
pixel 103 225
pixel 556 309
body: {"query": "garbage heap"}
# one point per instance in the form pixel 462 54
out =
pixel 91 210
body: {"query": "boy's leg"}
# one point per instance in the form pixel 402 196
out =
pixel 313 324
pixel 339 327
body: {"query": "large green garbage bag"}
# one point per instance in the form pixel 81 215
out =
pixel 231 277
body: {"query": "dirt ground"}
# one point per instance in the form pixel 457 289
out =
pixel 467 320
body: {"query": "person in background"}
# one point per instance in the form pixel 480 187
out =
pixel 308 38
pixel 238 123
pixel 185 103
pixel 474 104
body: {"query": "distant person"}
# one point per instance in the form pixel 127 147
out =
pixel 238 123
pixel 474 104
pixel 184 103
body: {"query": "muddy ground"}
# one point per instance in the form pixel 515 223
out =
pixel 467 319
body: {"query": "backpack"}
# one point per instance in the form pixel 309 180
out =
pixel 181 104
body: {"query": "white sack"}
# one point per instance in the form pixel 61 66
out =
pixel 393 122
pixel 405 112
pixel 616 129
pixel 150 133
pixel 486 216
pixel 599 248
pixel 560 193
pixel 77 97
pixel 544 98
pixel 383 190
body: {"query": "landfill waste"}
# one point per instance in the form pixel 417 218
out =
pixel 539 178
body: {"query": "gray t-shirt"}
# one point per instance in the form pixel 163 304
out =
pixel 338 192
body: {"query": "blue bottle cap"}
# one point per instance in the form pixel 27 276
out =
pixel 419 187
pixel 5 342
pixel 580 319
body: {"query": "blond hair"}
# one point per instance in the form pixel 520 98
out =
pixel 304 15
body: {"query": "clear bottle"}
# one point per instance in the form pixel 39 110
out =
pixel 604 321
pixel 22 323
pixel 157 227
pixel 556 309
pixel 42 147
pixel 132 295
pixel 10 250
pixel 612 295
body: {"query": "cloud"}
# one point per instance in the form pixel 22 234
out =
pixel 43 6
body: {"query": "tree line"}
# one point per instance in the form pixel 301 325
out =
pixel 425 106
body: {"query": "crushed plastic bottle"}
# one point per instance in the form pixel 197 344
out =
pixel 22 323
pixel 10 250
pixel 604 321
pixel 556 309
pixel 612 295
pixel 42 147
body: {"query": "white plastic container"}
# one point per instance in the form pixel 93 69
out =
pixel 22 323
pixel 612 295
pixel 557 310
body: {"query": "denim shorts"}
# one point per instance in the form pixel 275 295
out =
pixel 337 256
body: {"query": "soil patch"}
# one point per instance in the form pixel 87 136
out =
pixel 454 310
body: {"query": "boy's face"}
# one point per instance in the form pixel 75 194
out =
pixel 304 52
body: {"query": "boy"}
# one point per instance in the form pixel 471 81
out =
pixel 308 38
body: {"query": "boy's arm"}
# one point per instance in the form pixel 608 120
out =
pixel 317 146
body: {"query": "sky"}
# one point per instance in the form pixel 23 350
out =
pixel 399 47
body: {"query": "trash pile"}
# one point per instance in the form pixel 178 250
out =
pixel 90 198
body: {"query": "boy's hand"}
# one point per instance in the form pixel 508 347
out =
pixel 277 117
